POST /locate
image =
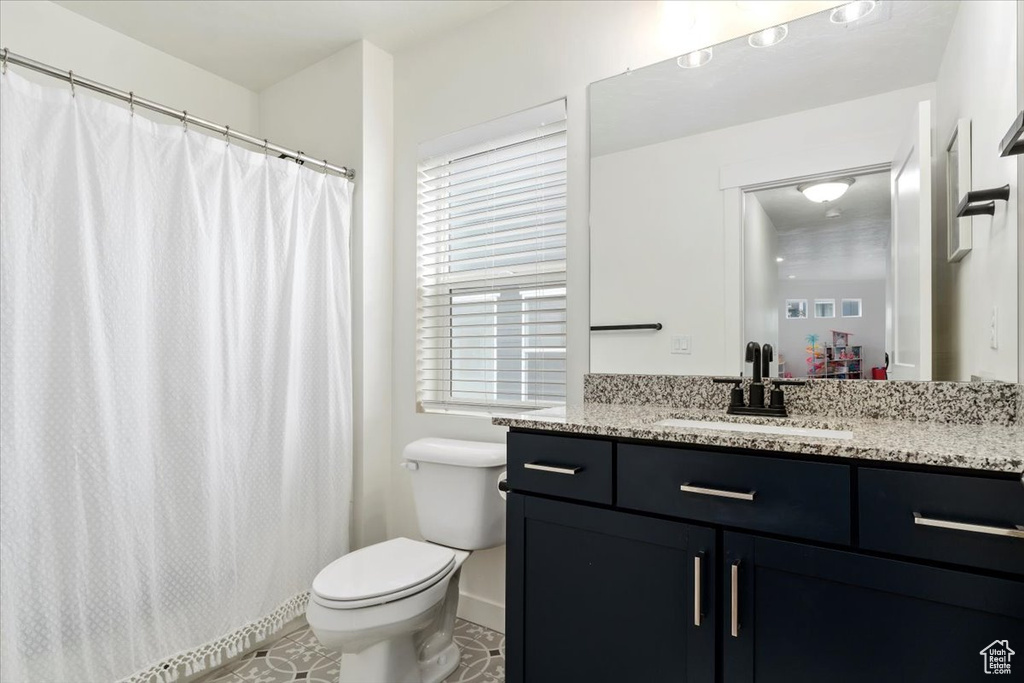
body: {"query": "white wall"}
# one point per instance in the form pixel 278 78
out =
pixel 522 55
pixel 671 195
pixel 56 36
pixel 341 109
pixel 760 274
pixel 978 81
pixel 867 331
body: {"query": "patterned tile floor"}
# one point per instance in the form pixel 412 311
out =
pixel 299 656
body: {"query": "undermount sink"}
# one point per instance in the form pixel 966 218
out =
pixel 755 428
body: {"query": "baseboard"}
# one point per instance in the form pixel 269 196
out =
pixel 480 611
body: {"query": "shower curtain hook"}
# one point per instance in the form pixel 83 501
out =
pixel 265 145
pixel 71 78
pixel 227 135
pixel 325 166
pixel 3 67
pixel 184 120
pixel 131 102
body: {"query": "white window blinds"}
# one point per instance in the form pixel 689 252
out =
pixel 491 265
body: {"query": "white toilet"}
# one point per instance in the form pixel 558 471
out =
pixel 390 608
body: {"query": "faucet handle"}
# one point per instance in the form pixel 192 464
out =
pixel 777 399
pixel 736 395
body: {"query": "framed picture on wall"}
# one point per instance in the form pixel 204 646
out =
pixel 824 308
pixel 959 231
pixel 796 309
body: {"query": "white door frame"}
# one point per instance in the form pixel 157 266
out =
pixel 870 158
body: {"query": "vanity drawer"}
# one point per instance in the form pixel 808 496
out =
pixel 560 466
pixel 804 499
pixel 944 517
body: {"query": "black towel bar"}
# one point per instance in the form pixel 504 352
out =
pixel 978 202
pixel 644 326
pixel 1013 141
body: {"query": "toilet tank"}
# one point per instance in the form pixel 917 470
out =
pixel 455 487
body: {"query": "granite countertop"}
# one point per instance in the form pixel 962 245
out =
pixel 986 447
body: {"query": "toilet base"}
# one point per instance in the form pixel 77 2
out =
pixel 394 661
pixel 390 660
pixel 439 667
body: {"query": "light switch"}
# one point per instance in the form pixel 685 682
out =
pixel 681 344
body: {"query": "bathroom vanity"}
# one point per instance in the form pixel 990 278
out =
pixel 640 551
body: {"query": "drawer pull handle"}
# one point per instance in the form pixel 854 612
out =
pixel 1014 532
pixel 696 591
pixel 734 621
pixel 704 491
pixel 551 468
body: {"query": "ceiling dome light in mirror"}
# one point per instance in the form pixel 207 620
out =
pixel 826 190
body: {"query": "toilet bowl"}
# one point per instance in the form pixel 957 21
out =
pixel 390 608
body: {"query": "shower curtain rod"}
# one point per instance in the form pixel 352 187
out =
pixel 8 57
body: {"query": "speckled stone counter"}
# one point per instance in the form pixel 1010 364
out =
pixel 983 434
pixel 998 403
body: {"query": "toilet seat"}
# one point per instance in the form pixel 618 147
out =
pixel 382 573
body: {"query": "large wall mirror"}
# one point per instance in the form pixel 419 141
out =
pixel 794 187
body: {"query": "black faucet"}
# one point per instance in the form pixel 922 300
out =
pixel 761 357
pixel 767 356
pixel 757 384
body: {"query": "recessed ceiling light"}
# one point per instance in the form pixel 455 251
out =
pixel 792 277
pixel 769 36
pixel 852 11
pixel 779 259
pixel 691 60
pixel 825 190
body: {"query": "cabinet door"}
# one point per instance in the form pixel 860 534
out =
pixel 805 614
pixel 597 595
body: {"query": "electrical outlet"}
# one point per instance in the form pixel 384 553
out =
pixel 993 329
pixel 681 344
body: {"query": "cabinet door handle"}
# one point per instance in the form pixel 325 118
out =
pixel 551 468
pixel 1013 532
pixel 721 493
pixel 734 621
pixel 696 591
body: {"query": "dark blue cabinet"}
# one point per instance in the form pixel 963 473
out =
pixel 805 614
pixel 599 595
pixel 705 566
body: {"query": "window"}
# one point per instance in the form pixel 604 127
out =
pixel 796 309
pixel 491 269
pixel 851 308
pixel 824 308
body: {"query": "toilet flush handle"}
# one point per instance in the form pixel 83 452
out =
pixel 410 465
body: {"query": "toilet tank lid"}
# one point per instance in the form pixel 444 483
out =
pixel 456 452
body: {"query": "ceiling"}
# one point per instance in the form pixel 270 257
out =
pixel 256 44
pixel 854 246
pixel 819 63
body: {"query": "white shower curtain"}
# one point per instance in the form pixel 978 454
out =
pixel 175 390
